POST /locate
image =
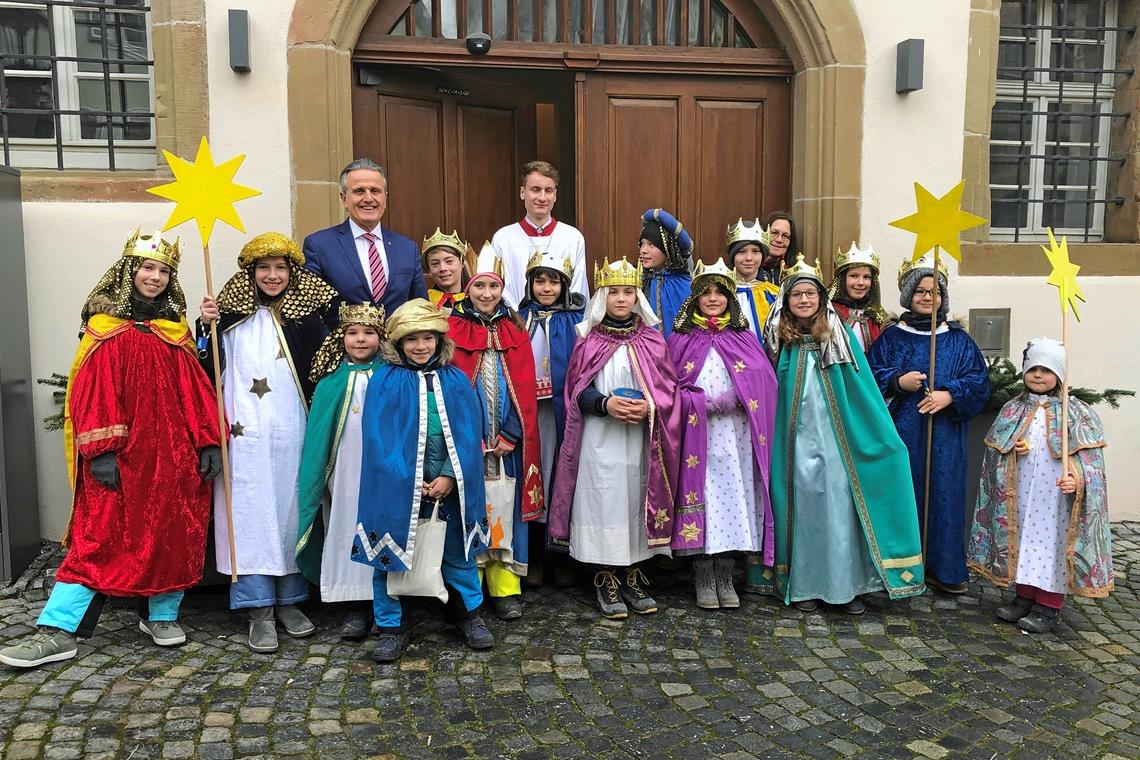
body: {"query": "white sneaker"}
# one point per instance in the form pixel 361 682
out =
pixel 166 633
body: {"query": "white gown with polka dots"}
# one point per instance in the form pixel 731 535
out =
pixel 1042 513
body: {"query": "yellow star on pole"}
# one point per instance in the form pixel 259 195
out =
pixel 938 221
pixel 1064 274
pixel 204 191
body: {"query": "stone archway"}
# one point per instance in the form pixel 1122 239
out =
pixel 824 40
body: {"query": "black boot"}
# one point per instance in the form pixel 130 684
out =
pixel 1039 620
pixel 390 645
pixel 1014 610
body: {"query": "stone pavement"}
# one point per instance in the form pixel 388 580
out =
pixel 931 677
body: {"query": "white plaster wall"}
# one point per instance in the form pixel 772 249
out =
pixel 918 137
pixel 69 245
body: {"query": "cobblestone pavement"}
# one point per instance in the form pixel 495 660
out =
pixel 931 677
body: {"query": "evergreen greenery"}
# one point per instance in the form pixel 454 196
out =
pixel 55 421
pixel 1005 383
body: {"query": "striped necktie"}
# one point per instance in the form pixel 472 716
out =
pixel 376 269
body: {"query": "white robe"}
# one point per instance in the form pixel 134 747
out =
pixel 343 580
pixel 607 520
pixel 1042 513
pixel 267 414
pixel 732 488
pixel 516 248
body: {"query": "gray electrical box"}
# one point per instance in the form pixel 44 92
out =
pixel 908 65
pixel 239 40
pixel 990 330
pixel 19 493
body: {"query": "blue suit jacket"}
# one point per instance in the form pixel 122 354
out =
pixel 331 255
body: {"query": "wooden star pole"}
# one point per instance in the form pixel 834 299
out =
pixel 205 192
pixel 1064 278
pixel 936 224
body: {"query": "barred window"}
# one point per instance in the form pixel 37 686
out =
pixel 1049 147
pixel 76 84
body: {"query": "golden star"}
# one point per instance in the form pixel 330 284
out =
pixel 753 404
pixel 763 440
pixel 260 386
pixel 691 497
pixel 689 366
pixel 660 520
pixel 938 221
pixel 546 364
pixel 532 470
pixel 535 495
pixel 690 532
pixel 739 366
pixel 203 191
pixel 1064 274
pixel 693 419
pixel 355 409
pixel 692 461
pixel 237 429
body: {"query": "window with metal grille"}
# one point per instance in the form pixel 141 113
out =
pixel 76 84
pixel 683 23
pixel 1049 147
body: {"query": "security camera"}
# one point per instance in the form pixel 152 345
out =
pixel 478 43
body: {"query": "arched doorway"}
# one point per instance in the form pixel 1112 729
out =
pixel 824 56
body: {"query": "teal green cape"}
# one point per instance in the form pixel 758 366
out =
pixel 874 456
pixel 318 458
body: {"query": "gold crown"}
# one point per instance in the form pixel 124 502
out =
pixel 617 274
pixel 550 261
pixel 752 232
pixel 451 241
pixel 855 256
pixel 486 262
pixel 718 272
pixel 152 246
pixel 926 261
pixel 362 314
pixel 801 269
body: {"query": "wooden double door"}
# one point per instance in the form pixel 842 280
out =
pixel 709 149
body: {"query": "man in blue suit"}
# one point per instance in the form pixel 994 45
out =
pixel 365 263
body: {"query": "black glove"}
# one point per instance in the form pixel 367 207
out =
pixel 210 462
pixel 105 469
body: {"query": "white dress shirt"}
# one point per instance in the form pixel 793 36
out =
pixel 358 234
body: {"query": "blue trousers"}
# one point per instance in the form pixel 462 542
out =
pixel 459 573
pixel 268 590
pixel 75 608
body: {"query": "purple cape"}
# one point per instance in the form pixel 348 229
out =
pixel 755 384
pixel 659 383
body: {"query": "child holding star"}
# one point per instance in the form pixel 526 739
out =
pixel 1045 530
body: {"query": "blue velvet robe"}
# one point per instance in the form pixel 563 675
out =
pixel 961 370
pixel 666 291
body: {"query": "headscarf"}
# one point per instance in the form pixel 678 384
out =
pixel 909 284
pixel 112 294
pixel 596 311
pixel 661 229
pixel 1044 352
pixel 304 294
pixel 837 350
pixel 690 315
pixel 871 303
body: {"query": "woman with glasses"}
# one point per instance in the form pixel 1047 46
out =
pixel 900 359
pixel 843 525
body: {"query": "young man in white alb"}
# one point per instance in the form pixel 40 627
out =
pixel 538 231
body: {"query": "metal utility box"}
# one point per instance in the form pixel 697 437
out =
pixel 19 494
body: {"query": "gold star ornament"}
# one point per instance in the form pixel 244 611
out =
pixel 690 531
pixel 1064 274
pixel 938 221
pixel 692 461
pixel 203 191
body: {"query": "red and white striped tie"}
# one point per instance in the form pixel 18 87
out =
pixel 376 268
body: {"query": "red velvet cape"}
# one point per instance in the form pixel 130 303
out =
pixel 471 340
pixel 144 396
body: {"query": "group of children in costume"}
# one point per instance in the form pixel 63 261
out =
pixel 716 411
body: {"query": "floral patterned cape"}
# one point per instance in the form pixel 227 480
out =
pixel 994 536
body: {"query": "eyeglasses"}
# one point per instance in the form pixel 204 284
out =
pixel 782 235
pixel 921 293
pixel 799 295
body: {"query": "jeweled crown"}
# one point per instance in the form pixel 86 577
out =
pixel 486 262
pixel 752 232
pixel 152 246
pixel 801 268
pixel 926 261
pixel 717 271
pixel 550 261
pixel 619 273
pixel 438 239
pixel 856 256
pixel 362 314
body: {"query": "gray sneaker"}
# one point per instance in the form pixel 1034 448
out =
pixel 262 630
pixel 636 597
pixel 725 591
pixel 166 633
pixel 609 595
pixel 294 621
pixel 47 645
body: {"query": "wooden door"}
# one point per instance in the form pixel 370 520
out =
pixel 451 145
pixel 708 149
